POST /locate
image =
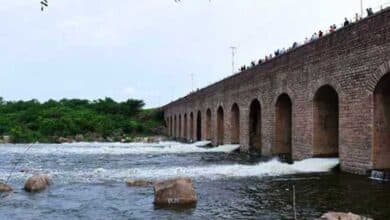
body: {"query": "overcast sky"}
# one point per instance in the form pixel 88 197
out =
pixel 145 49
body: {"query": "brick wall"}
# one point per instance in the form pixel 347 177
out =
pixel 350 61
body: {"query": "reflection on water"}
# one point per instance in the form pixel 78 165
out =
pixel 89 183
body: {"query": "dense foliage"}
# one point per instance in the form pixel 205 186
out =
pixel 103 119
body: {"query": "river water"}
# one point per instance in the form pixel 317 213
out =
pixel 89 183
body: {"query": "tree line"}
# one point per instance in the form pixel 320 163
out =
pixel 96 120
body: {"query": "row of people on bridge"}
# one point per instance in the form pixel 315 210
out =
pixel 314 37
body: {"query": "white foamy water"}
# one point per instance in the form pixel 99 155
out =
pixel 117 148
pixel 270 168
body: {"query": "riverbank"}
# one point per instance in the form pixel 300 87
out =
pixel 69 120
pixel 94 139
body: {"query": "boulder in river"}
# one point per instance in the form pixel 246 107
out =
pixel 61 140
pixel 175 192
pixel 342 216
pixel 37 183
pixel 139 183
pixel 79 138
pixel 7 139
pixel 5 188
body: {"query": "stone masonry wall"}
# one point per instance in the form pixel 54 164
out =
pixel 351 61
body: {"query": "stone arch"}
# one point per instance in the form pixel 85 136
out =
pixel 175 127
pixel 235 124
pixel 283 126
pixel 199 126
pixel 191 136
pixel 255 142
pixel 185 127
pixel 220 126
pixel 381 136
pixel 377 75
pixel 326 122
pixel 208 124
pixel 281 91
pixel 315 85
pixel 179 133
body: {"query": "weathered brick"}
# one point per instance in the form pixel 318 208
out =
pixel 350 61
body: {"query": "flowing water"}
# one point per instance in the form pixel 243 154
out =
pixel 89 183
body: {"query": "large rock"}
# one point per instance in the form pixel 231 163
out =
pixel 156 139
pixel 5 188
pixel 61 140
pixel 175 192
pixel 37 183
pixel 139 183
pixel 79 138
pixel 7 139
pixel 343 216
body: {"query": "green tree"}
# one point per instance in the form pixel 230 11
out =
pixel 28 121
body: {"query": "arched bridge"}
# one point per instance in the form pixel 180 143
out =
pixel 330 97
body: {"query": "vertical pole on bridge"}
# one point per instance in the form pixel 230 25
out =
pixel 234 49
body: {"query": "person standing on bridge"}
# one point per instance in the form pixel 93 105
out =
pixel 357 17
pixel 369 12
pixel 346 22
pixel 332 28
pixel 320 34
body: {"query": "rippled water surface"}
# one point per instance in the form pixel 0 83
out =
pixel 89 183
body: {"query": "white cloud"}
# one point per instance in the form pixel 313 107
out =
pixel 18 5
pixel 104 24
pixel 89 31
pixel 128 92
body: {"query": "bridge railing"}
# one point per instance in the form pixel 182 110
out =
pixel 326 31
pixel 340 25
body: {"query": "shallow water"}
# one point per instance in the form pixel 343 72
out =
pixel 89 183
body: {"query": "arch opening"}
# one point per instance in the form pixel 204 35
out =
pixel 179 133
pixel 191 135
pixel 185 127
pixel 171 126
pixel 255 143
pixel 175 128
pixel 208 124
pixel 235 124
pixel 381 142
pixel 166 125
pixel 199 126
pixel 283 127
pixel 220 126
pixel 326 122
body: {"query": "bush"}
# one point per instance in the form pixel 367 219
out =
pixel 30 121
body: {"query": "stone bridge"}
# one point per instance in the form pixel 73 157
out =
pixel 330 97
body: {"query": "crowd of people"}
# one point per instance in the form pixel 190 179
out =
pixel 332 28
